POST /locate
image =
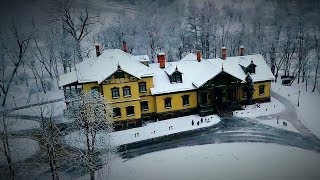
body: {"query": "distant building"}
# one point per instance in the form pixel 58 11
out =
pixel 139 90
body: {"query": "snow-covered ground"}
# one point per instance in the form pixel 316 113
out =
pixel 21 148
pixel 261 109
pixel 149 131
pixel 235 161
pixel 14 125
pixel 265 109
pixel 273 122
pixel 57 107
pixel 309 103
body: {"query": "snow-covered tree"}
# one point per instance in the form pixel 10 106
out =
pixel 49 134
pixel 78 23
pixel 92 115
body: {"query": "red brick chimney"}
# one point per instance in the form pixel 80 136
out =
pixel 125 46
pixel 198 55
pixel 224 53
pixel 241 51
pixel 98 50
pixel 161 59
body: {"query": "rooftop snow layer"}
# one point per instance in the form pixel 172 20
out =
pixel 97 69
pixel 194 73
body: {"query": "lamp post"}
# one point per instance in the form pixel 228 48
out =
pixel 298 99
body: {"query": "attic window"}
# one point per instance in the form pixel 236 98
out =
pixel 119 74
pixel 176 77
pixel 251 68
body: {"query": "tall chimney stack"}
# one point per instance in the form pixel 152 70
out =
pixel 198 55
pixel 125 46
pixel 224 53
pixel 241 51
pixel 98 51
pixel 161 59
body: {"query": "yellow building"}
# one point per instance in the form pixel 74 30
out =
pixel 138 90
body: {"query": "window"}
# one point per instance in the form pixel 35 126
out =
pixel 244 93
pixel 261 89
pixel 167 103
pixel 144 106
pixel 119 74
pixel 204 98
pixel 115 93
pixel 142 87
pixel 116 112
pixel 95 89
pixel 130 110
pixel 126 91
pixel 185 100
pixel 176 77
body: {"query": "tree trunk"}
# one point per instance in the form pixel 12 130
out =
pixel 6 148
pixel 78 51
pixel 317 68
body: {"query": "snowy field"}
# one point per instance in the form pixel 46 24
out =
pixel 149 131
pixel 308 110
pixel 57 107
pixel 236 161
pixel 261 109
pixel 22 148
pixel 15 125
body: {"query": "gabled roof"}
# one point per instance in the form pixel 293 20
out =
pixel 196 74
pixel 97 69
pixel 189 57
pixel 171 69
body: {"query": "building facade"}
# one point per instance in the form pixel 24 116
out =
pixel 141 91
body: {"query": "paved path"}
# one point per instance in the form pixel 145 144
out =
pixel 289 114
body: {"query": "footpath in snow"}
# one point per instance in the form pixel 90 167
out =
pixel 309 103
pixel 149 131
pixel 267 109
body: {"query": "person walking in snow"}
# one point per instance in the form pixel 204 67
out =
pixel 192 123
pixel 202 120
pixel 198 123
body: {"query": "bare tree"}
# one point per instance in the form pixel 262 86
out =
pixel 77 23
pixel 16 56
pixel 5 148
pixel 92 115
pixel 318 63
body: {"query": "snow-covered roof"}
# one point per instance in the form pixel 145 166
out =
pixel 170 69
pixel 97 69
pixel 189 57
pixel 142 58
pixel 195 74
pixel 68 78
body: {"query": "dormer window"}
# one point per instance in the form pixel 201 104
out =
pixel 119 74
pixel 176 77
pixel 251 68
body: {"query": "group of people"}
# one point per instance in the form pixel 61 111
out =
pixel 198 123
